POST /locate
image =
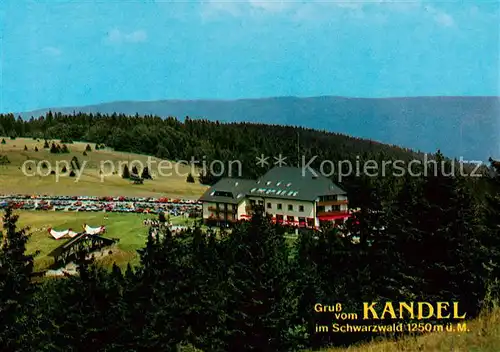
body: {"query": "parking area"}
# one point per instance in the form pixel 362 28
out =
pixel 173 207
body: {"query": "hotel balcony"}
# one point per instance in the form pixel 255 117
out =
pixel 222 210
pixel 332 202
pixel 221 217
pixel 250 208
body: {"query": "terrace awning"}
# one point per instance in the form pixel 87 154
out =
pixel 62 234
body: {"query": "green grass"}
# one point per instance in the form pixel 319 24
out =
pixel 129 228
pixel 12 179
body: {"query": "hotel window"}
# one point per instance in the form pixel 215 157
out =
pixel 268 205
pixel 290 207
pixel 279 206
pixel 301 208
pixel 290 219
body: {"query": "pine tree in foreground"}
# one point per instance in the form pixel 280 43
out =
pixel 261 293
pixel 16 269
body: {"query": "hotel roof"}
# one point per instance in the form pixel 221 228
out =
pixel 279 182
pixel 228 190
pixel 294 183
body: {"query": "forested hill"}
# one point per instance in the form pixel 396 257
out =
pixel 204 140
pixel 459 126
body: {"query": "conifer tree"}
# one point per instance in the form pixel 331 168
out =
pixel 54 148
pixel 260 292
pixel 395 252
pixel 135 172
pixel 163 291
pixel 75 163
pixel 125 173
pixel 16 268
pixel 310 285
pixel 145 173
pixel 207 266
pixel 4 160
pixel 443 241
pixel 367 223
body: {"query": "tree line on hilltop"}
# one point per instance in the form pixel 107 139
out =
pixel 206 141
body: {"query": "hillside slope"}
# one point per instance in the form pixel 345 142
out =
pixel 459 126
pixel 14 180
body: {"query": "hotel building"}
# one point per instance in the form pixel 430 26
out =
pixel 291 195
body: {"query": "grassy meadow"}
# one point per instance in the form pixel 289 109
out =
pixel 129 228
pixel 12 179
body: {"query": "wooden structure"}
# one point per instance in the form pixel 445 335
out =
pixel 85 242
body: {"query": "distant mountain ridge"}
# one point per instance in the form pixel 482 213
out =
pixel 467 127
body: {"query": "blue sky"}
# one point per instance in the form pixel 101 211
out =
pixel 67 53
